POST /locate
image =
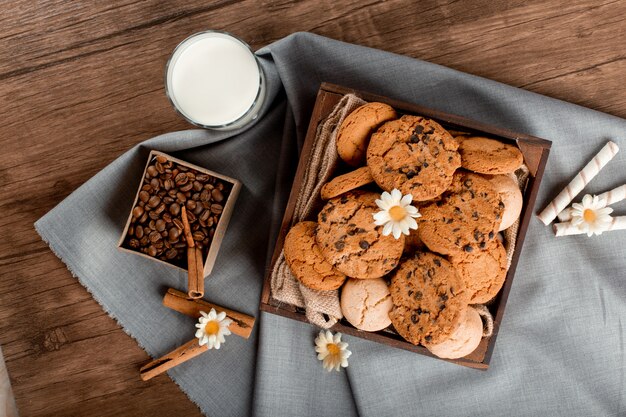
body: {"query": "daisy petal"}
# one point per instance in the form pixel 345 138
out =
pixel 397 231
pixel 387 229
pixel 406 200
pixel 411 223
pixel 396 195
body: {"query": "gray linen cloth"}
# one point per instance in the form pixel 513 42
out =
pixel 560 350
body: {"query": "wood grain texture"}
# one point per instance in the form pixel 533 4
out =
pixel 81 82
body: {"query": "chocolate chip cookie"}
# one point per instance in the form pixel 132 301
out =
pixel 483 272
pixel 415 155
pixel 351 242
pixel 429 299
pixel 354 133
pixel 466 218
pixel 489 156
pixel 346 182
pixel 306 261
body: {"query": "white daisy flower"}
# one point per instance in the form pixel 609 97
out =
pixel 331 350
pixel 396 214
pixel 591 215
pixel 212 328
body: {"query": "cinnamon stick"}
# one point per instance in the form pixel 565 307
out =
pixel 179 355
pixel 187 228
pixel 195 273
pixel 242 324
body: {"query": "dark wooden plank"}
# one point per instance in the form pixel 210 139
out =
pixel 81 82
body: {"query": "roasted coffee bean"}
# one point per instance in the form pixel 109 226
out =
pixel 206 205
pixel 202 177
pixel 217 195
pixel 133 243
pixel 208 187
pixel 216 208
pixel 191 217
pixel 144 196
pixel 154 201
pixel 180 245
pixel 154 236
pixel 168 184
pixel 143 218
pixel 138 212
pixel 146 187
pixel 181 179
pixel 171 253
pixel 139 231
pixel 159 167
pixel 168 200
pixel 173 234
pixel 144 241
pixel 160 208
pixel 153 215
pixel 152 251
pixel 154 183
pixel 199 209
pixel 175 209
pixel 195 227
pixel 162 159
pixel 152 171
pixel 186 187
pixel 205 216
pixel 167 217
pixel 181 197
pixel 205 195
pixel 191 205
pixel 198 236
pixel 178 223
pixel 131 230
pixel 160 225
pixel 197 185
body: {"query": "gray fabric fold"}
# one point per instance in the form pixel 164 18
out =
pixel 560 350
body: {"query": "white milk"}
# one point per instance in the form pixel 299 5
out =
pixel 214 80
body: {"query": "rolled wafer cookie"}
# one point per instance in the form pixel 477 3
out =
pixel 578 183
pixel 610 197
pixel 568 229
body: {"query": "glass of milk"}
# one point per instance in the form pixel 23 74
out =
pixel 215 81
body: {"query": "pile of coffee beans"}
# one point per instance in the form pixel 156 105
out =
pixel 156 226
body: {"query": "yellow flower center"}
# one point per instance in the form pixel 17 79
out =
pixel 212 328
pixel 333 349
pixel 397 213
pixel 589 215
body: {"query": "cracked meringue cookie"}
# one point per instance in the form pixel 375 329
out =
pixel 366 303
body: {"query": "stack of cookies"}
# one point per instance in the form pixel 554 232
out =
pixel 422 285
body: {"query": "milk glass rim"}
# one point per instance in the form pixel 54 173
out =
pixel 173 101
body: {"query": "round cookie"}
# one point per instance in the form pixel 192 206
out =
pixel 489 156
pixel 466 219
pixel 463 341
pixel 366 303
pixel 354 133
pixel 429 299
pixel 306 261
pixel 415 155
pixel 483 272
pixel 346 182
pixel 511 197
pixel 351 242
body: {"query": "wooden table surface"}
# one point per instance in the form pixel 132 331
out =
pixel 82 81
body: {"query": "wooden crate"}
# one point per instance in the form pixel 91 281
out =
pixel 535 151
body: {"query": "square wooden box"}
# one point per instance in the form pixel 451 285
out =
pixel 535 151
pixel 220 228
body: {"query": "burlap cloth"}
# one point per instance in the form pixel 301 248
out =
pixel 322 307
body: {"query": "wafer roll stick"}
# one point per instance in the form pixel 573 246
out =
pixel 568 229
pixel 179 355
pixel 578 183
pixel 611 197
